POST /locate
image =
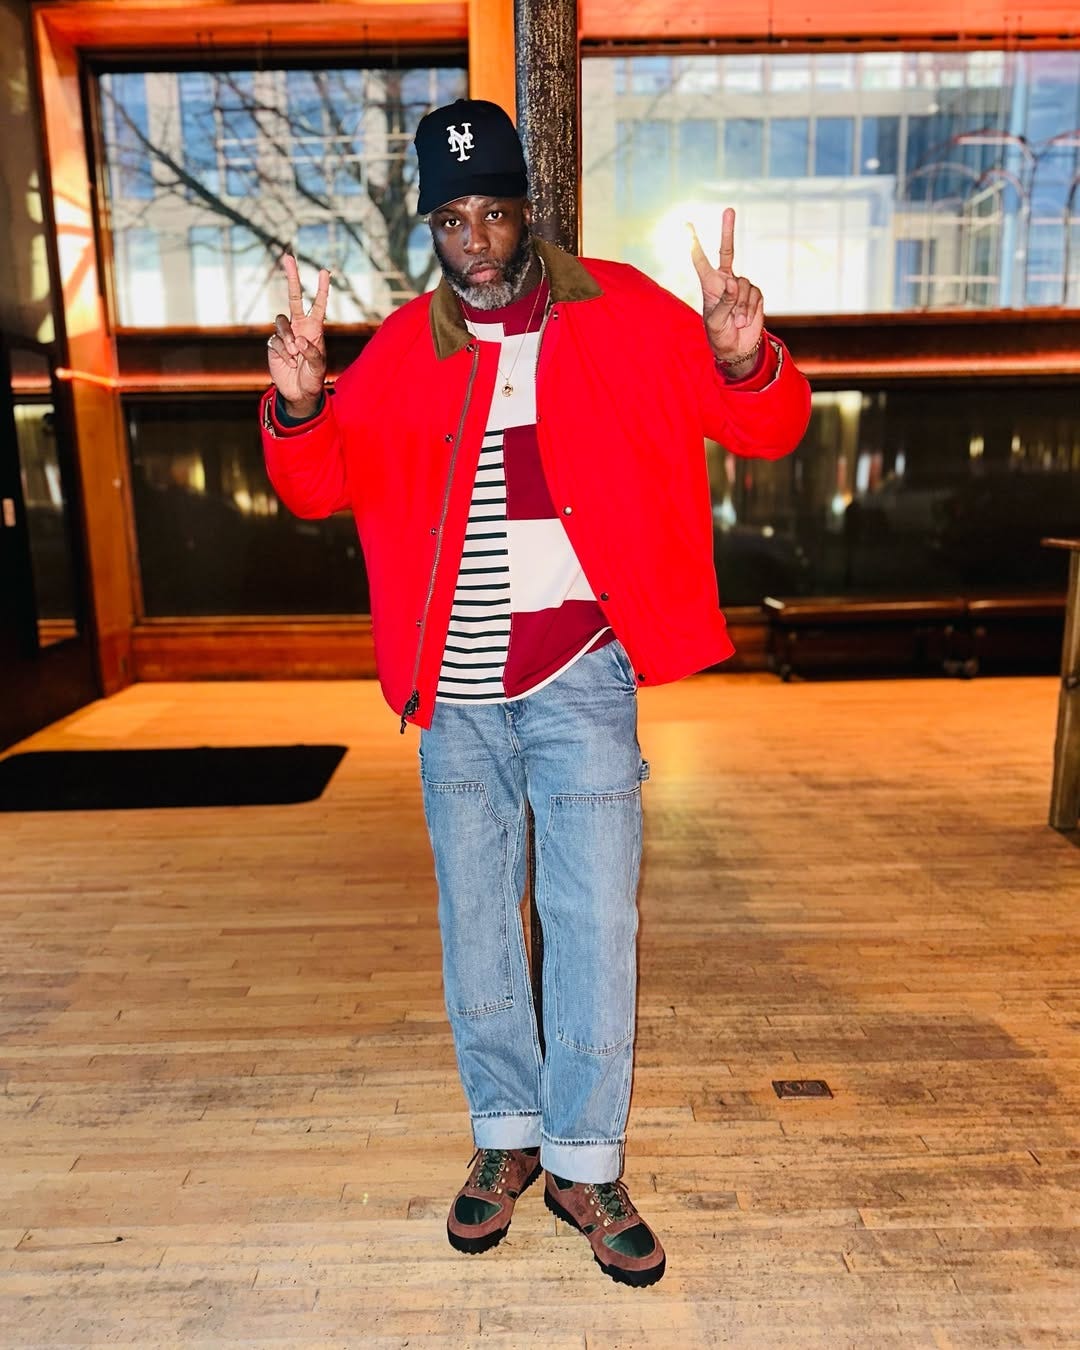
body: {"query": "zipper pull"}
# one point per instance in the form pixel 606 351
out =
pixel 410 708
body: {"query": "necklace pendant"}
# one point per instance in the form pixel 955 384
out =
pixel 507 389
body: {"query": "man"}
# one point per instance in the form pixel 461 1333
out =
pixel 523 452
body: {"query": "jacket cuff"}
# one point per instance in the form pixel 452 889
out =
pixel 765 371
pixel 277 422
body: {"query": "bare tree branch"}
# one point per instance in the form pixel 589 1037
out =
pixel 366 202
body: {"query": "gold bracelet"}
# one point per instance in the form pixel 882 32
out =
pixel 746 356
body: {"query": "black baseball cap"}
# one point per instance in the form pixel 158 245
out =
pixel 469 148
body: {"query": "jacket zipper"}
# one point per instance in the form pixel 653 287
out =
pixel 413 704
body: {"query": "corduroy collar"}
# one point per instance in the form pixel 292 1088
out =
pixel 567 277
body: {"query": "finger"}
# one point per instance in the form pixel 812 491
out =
pixel 727 240
pixel 701 263
pixel 318 305
pixel 725 301
pixel 756 306
pixel 310 354
pixel 741 307
pixel 296 291
pixel 284 331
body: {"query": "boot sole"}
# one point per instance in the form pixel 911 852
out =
pixel 638 1279
pixel 473 1246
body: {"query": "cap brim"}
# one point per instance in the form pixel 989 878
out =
pixel 478 185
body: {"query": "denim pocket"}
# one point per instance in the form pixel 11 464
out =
pixel 624 671
pixel 472 866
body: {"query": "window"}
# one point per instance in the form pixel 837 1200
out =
pixel 788 146
pixel 643 159
pixel 133 174
pixel 790 74
pixel 198 128
pixel 743 147
pixel 696 161
pixel 864 181
pixel 138 270
pixel 879 146
pixel 252 163
pixel 875 506
pixel 47 510
pixel 834 138
pixel 209 275
pixel 239 135
pixel 213 538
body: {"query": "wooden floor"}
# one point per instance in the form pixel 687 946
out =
pixel 229 1113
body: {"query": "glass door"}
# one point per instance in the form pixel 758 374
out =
pixel 45 652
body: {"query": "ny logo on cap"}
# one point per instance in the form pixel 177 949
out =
pixel 461 141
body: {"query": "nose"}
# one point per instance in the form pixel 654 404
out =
pixel 476 238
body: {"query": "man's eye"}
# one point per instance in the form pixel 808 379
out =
pixel 449 222
pixel 495 215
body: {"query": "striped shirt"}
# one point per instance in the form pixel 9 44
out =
pixel 523 611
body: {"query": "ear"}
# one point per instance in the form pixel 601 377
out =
pixel 527 211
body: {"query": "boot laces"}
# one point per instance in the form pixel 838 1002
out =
pixel 613 1199
pixel 491 1165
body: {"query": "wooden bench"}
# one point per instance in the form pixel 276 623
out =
pixel 836 635
pixel 941 635
pixel 1016 633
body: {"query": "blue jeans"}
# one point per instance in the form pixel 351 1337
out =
pixel 570 749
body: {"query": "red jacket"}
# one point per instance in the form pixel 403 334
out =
pixel 626 390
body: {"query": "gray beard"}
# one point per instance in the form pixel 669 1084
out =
pixel 495 295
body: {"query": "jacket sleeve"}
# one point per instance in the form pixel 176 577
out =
pixel 764 423
pixel 747 419
pixel 306 463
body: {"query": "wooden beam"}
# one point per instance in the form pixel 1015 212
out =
pixel 254 649
pixel 207 24
pixel 640 21
pixel 100 443
pixel 549 114
pixel 491 52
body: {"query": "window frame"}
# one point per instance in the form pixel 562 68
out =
pixel 594 47
pixel 96 63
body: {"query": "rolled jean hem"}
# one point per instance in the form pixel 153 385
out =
pixel 509 1131
pixel 582 1162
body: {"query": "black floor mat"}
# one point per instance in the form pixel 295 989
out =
pixel 123 780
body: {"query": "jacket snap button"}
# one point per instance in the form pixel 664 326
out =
pixel 448 438
pixel 641 678
pixel 568 510
pixel 434 530
pixel 604 595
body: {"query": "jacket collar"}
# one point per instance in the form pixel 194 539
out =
pixel 566 275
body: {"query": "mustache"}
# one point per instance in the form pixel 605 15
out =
pixel 482 266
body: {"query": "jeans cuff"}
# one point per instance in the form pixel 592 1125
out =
pixel 582 1162
pixel 510 1131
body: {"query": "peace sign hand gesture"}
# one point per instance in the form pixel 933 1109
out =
pixel 297 351
pixel 733 310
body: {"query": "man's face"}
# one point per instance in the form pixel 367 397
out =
pixel 484 248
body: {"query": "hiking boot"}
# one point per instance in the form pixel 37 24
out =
pixel 483 1208
pixel 624 1245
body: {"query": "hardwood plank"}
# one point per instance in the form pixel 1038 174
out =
pixel 222 1042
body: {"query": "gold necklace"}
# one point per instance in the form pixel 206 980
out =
pixel 507 389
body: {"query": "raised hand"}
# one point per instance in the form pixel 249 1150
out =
pixel 732 308
pixel 297 351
